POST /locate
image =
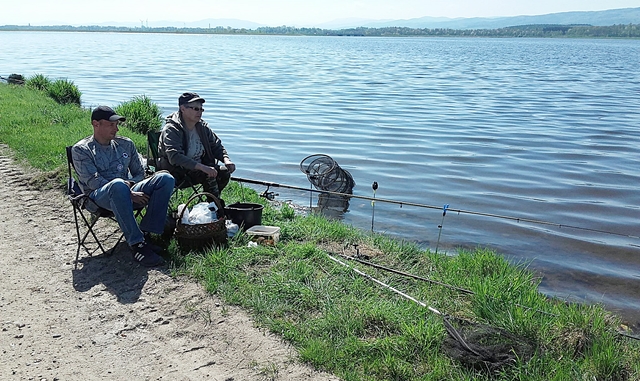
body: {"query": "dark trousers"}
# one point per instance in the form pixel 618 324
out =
pixel 214 185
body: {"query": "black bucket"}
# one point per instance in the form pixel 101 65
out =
pixel 244 214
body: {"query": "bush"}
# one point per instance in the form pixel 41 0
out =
pixel 16 79
pixel 38 82
pixel 142 114
pixel 64 92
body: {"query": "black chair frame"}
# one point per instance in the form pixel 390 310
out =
pixel 85 220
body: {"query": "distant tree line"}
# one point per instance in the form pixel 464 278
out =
pixel 576 31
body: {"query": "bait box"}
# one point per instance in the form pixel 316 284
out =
pixel 262 234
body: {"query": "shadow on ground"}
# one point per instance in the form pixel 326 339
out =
pixel 120 275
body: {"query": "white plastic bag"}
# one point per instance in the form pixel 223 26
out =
pixel 232 229
pixel 185 216
pixel 200 214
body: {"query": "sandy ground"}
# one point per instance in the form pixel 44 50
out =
pixel 111 319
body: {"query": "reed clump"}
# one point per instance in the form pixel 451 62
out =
pixel 38 82
pixel 62 91
pixel 143 115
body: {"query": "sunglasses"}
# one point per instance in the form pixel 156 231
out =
pixel 196 108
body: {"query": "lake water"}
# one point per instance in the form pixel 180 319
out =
pixel 541 129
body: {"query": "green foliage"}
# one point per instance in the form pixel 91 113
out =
pixel 38 82
pixel 348 325
pixel 344 323
pixel 64 92
pixel 37 128
pixel 142 114
pixel 287 212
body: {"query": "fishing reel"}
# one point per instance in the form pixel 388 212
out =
pixel 269 195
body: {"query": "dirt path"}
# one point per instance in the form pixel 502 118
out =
pixel 111 319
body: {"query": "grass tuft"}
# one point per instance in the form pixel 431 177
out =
pixel 38 82
pixel 142 114
pixel 64 92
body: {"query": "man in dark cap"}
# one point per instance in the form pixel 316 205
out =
pixel 191 151
pixel 111 174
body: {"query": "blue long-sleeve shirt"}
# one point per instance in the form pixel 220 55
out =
pixel 96 164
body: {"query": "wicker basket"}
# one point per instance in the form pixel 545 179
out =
pixel 197 237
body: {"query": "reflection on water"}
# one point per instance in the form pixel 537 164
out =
pixel 332 206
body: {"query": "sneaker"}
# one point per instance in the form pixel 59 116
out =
pixel 143 254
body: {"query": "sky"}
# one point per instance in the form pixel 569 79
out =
pixel 280 12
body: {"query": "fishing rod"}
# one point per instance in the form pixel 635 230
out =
pixel 459 211
pixel 473 345
pixel 276 185
pixel 417 277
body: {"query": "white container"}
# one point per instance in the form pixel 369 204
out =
pixel 262 234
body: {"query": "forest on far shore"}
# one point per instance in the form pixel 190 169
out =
pixel 575 31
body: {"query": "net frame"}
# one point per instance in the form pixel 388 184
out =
pixel 325 174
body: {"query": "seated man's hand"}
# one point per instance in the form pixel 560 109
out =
pixel 139 198
pixel 230 166
pixel 210 171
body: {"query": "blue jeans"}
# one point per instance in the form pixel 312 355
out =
pixel 116 197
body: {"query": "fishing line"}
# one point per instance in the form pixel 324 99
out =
pixel 459 211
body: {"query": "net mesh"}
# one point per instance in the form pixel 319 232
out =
pixel 325 174
pixel 483 347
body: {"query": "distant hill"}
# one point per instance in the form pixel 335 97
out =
pixel 611 17
pixel 595 18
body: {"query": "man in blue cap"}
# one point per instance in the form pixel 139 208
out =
pixel 111 174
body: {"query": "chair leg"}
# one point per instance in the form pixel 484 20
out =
pixel 82 239
pixel 75 218
pixel 116 245
pixel 90 224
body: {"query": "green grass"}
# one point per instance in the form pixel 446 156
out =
pixel 64 92
pixel 342 322
pixel 38 129
pixel 142 114
pixel 38 82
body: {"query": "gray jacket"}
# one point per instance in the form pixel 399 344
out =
pixel 173 145
pixel 96 165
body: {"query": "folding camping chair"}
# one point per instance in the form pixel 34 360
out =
pixel 153 141
pixel 86 220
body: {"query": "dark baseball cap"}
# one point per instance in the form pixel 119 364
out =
pixel 106 113
pixel 188 98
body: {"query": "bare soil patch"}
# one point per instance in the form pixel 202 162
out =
pixel 111 319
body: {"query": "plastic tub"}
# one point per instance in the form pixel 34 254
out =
pixel 262 234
